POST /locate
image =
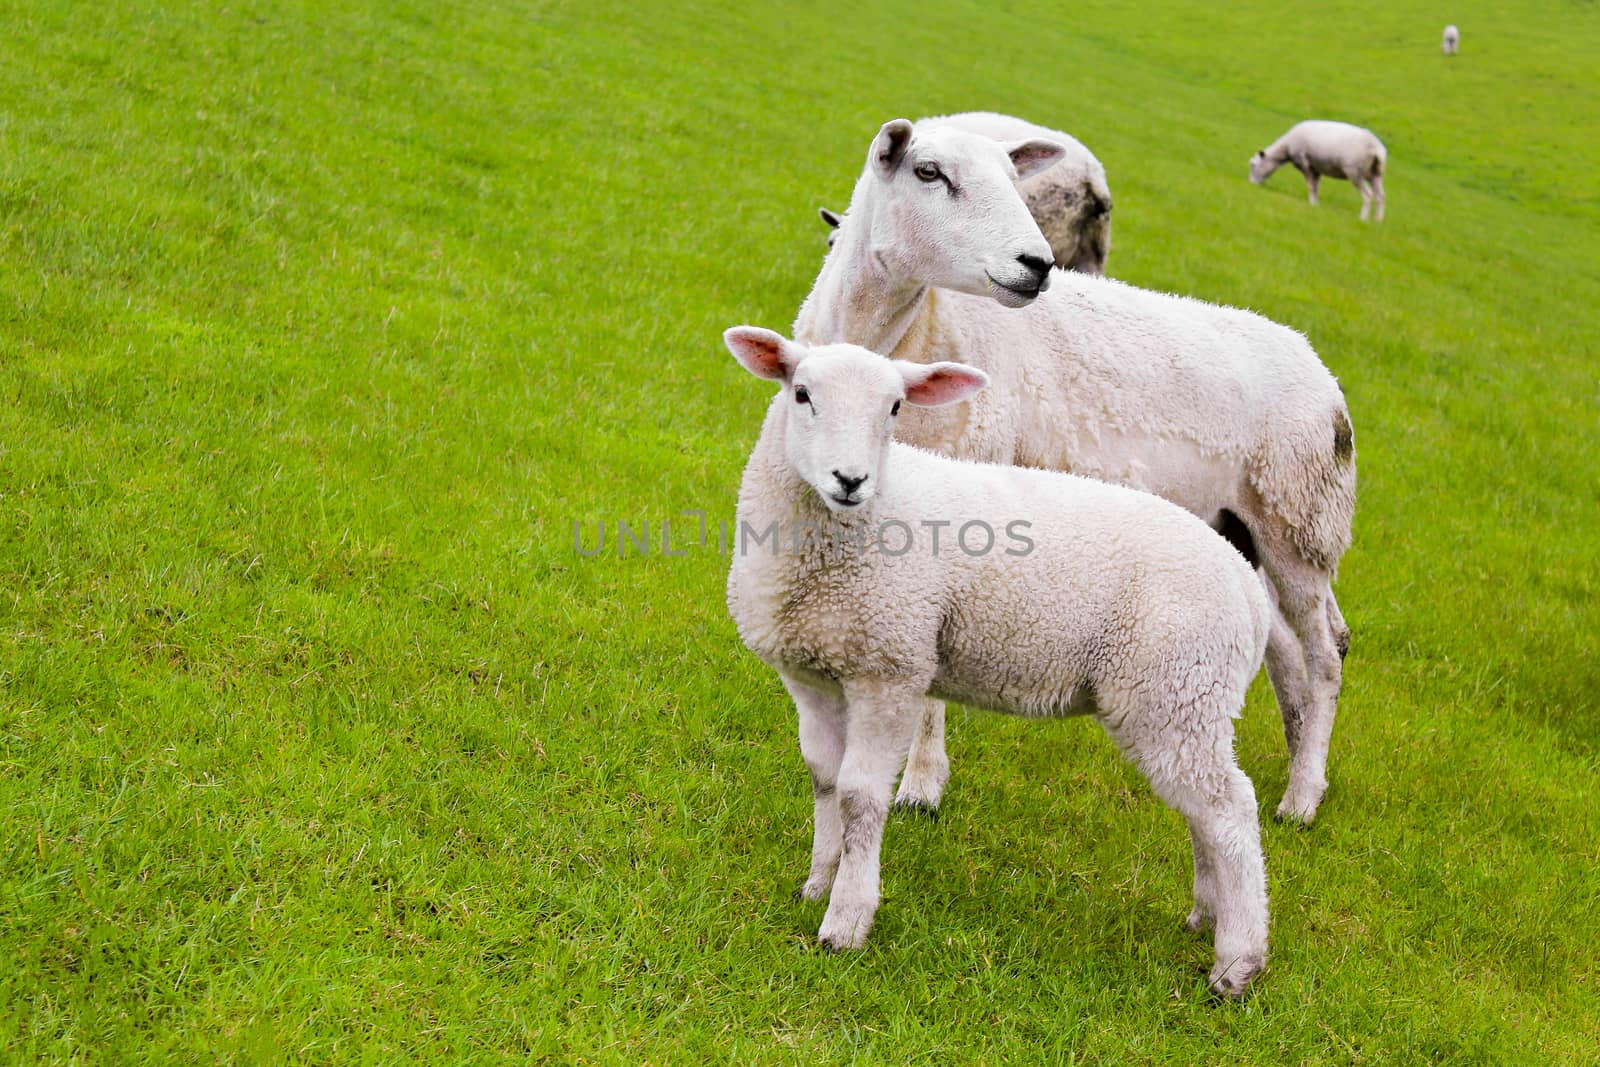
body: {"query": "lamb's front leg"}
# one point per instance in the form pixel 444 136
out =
pixel 927 767
pixel 822 735
pixel 880 719
pixel 1312 178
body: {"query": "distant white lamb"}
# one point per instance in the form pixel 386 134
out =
pixel 1318 147
pixel 1100 600
pixel 1452 40
pixel 1070 200
pixel 1219 410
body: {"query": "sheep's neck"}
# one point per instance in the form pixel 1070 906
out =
pixel 857 299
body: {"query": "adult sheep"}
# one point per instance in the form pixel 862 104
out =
pixel 1070 200
pixel 1219 410
pixel 1317 148
pixel 1452 40
pixel 1121 605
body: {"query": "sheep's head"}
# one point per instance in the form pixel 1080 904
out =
pixel 951 215
pixel 1259 168
pixel 840 404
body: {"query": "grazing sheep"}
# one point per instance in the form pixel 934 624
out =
pixel 1452 40
pixel 1220 411
pixel 1317 148
pixel 1070 201
pixel 1121 605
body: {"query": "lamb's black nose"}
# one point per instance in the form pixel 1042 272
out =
pixel 849 483
pixel 1040 267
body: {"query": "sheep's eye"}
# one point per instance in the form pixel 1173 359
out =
pixel 928 172
pixel 801 396
pixel 896 409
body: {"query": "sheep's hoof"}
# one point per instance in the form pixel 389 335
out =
pixel 918 807
pixel 1231 982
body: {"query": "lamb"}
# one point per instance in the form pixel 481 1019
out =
pixel 1452 40
pixel 1318 147
pixel 1224 413
pixel 1070 201
pixel 1107 601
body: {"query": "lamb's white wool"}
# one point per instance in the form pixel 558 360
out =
pixel 1220 411
pixel 1081 598
pixel 1318 148
pixel 1452 40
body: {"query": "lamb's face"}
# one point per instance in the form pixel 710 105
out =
pixel 842 405
pixel 839 405
pixel 952 215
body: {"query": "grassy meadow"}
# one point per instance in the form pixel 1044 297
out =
pixel 321 326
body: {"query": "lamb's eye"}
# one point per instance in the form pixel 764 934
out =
pixel 801 396
pixel 928 172
pixel 896 409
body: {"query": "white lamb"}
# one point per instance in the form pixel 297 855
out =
pixel 1452 40
pixel 1103 601
pixel 1318 147
pixel 1070 200
pixel 1222 412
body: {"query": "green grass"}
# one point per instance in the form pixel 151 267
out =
pixel 319 743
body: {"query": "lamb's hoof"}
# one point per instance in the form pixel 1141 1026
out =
pixel 813 889
pixel 843 930
pixel 1299 810
pixel 918 807
pixel 1231 982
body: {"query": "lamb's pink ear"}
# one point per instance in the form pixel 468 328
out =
pixel 762 352
pixel 889 147
pixel 1030 157
pixel 929 385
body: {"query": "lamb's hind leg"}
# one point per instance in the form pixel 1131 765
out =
pixel 1195 772
pixel 822 733
pixel 927 767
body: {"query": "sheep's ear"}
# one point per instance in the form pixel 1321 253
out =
pixel 889 147
pixel 829 217
pixel 929 385
pixel 762 352
pixel 1030 157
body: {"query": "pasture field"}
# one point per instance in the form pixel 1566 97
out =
pixel 322 325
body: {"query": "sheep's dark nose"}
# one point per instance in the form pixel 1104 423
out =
pixel 850 483
pixel 1040 267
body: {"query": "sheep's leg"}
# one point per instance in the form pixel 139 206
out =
pixel 822 733
pixel 1312 178
pixel 1195 772
pixel 1303 595
pixel 1365 188
pixel 1377 192
pixel 880 720
pixel 927 767
pixel 1286 667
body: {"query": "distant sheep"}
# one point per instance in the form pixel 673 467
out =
pixel 1452 40
pixel 1317 148
pixel 1070 200
pixel 1119 605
